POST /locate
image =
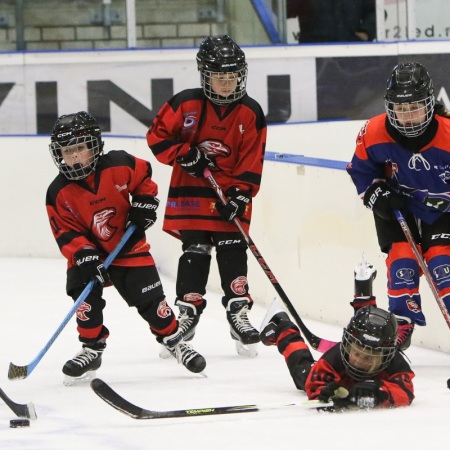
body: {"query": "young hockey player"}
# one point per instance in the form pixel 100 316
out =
pixel 365 370
pixel 217 126
pixel 89 208
pixel 402 161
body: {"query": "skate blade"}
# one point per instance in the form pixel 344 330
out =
pixel 85 378
pixel 164 353
pixel 246 351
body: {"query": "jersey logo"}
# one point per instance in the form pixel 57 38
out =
pixel 214 149
pixel 121 188
pixel 101 227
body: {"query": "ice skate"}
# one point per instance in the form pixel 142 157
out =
pixel 183 352
pixel 82 368
pixel 365 273
pixel 241 329
pixel 188 319
pixel 273 317
pixel 186 355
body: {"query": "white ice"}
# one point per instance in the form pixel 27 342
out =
pixel 32 293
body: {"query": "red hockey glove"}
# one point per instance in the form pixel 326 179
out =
pixel 236 205
pixel 143 211
pixel 90 265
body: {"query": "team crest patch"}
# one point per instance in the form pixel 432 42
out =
pixel 81 311
pixel 238 285
pixel 164 309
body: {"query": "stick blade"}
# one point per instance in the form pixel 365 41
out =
pixel 31 411
pixel 17 372
pixel 107 394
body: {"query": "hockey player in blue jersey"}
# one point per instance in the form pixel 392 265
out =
pixel 402 161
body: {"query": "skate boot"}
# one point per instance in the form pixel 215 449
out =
pixel 82 368
pixel 274 316
pixel 364 274
pixel 188 319
pixel 184 353
pixel 405 329
pixel 242 332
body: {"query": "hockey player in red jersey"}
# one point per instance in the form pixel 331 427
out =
pixel 365 370
pixel 220 127
pixel 89 208
pixel 402 161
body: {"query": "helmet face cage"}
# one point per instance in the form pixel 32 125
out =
pixel 221 58
pixel 369 342
pixel 375 359
pixel 77 171
pixel 409 99
pixel 71 135
pixel 240 78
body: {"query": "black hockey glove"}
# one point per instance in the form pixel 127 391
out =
pixel 194 162
pixel 143 211
pixel 368 394
pixel 334 392
pixel 91 266
pixel 236 204
pixel 382 200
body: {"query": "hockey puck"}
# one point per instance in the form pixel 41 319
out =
pixel 19 423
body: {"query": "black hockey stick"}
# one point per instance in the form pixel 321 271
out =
pixel 111 397
pixel 422 264
pixel 22 372
pixel 317 343
pixel 18 409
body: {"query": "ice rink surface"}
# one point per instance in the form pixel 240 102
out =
pixel 34 303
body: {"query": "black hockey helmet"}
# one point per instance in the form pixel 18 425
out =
pixel 221 55
pixel 369 342
pixel 72 130
pixel 411 84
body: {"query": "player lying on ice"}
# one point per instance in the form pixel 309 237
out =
pixel 364 370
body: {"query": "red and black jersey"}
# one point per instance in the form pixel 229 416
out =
pixel 93 211
pixel 233 137
pixel 313 377
pixel 396 379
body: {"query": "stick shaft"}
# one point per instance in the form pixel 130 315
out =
pixel 316 342
pixel 20 372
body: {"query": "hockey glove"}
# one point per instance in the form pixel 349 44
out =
pixel 194 162
pixel 236 205
pixel 368 394
pixel 143 211
pixel 382 200
pixel 90 265
pixel 334 392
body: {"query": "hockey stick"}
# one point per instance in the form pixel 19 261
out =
pixel 422 264
pixel 22 372
pixel 18 409
pixel 317 343
pixel 111 397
